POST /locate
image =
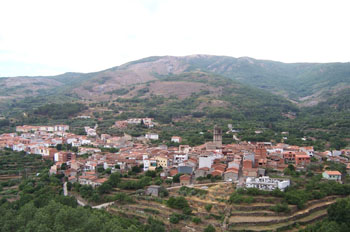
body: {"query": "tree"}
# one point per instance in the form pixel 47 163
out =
pixel 174 219
pixel 177 202
pixel 176 178
pixel 114 179
pixel 104 188
pixel 340 211
pixel 209 228
pixel 208 207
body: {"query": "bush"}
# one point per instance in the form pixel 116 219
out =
pixel 297 197
pixel 209 228
pixel 186 191
pixel 196 220
pixel 175 218
pixel 187 210
pixel 208 207
pixel 279 208
pixel 238 199
pixel 177 202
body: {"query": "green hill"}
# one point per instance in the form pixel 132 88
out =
pixel 305 99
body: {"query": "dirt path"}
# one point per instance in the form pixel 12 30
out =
pixel 82 202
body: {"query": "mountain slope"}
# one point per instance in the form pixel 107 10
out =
pixel 190 94
pixel 305 83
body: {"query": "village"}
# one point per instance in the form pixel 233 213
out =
pixel 244 163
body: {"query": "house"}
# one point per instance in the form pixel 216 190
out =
pixel 185 180
pixel 217 172
pixel 302 159
pixel 184 149
pixel 90 131
pixel 152 164
pixel 231 174
pixel 98 182
pixel 153 190
pixel 162 161
pixel 176 139
pixel 205 161
pixel 332 175
pixel 152 136
pixel 61 128
pixel 173 172
pixel 180 157
pixel 64 156
pixel 201 172
pixel 121 124
pixel 185 169
pixel 266 183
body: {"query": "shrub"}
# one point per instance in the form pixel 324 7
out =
pixel 175 218
pixel 187 210
pixel 196 220
pixel 209 228
pixel 208 207
pixel 279 208
pixel 177 202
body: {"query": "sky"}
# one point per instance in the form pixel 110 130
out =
pixel 49 37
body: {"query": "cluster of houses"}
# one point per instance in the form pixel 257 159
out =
pixel 244 162
pixel 148 122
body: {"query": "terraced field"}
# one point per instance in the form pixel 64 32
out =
pixel 13 167
pixel 224 216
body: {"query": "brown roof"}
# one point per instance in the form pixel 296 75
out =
pixel 185 177
pixel 333 173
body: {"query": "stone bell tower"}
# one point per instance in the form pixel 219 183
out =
pixel 217 136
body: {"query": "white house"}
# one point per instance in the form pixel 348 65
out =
pixel 146 164
pixel 176 139
pixel 179 158
pixel 332 175
pixel 266 183
pixel 206 161
pixel 61 128
pixel 152 136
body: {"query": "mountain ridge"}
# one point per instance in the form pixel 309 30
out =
pixel 304 83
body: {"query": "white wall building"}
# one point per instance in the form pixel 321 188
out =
pixel 266 183
pixel 152 136
pixel 206 161
pixel 179 158
pixel 332 175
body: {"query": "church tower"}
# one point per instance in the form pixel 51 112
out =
pixel 217 136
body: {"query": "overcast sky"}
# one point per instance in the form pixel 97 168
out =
pixel 46 37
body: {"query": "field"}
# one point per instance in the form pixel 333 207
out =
pixel 224 216
pixel 14 167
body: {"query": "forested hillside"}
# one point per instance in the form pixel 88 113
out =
pixel 191 94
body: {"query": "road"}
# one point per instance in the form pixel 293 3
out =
pixel 65 190
pixel 81 203
pixel 197 185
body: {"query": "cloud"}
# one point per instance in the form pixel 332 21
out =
pixel 85 36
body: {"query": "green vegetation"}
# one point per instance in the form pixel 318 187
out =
pixel 42 207
pixel 208 207
pixel 280 208
pixel 303 191
pixel 237 198
pixel 337 221
pixel 209 228
pixel 186 191
pixel 119 92
pixel 179 203
pixel 59 111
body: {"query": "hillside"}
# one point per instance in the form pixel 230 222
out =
pixel 190 91
pixel 305 83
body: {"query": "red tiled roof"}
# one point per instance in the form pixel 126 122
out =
pixel 333 173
